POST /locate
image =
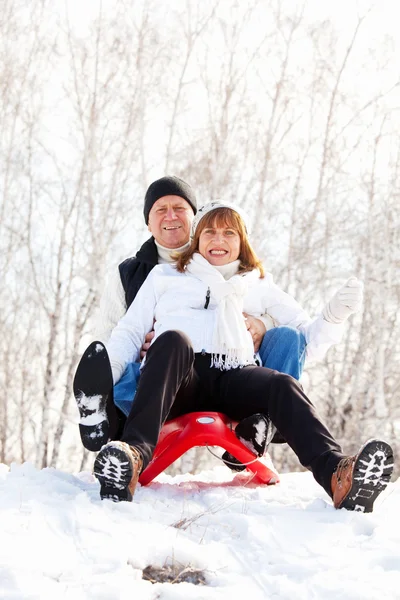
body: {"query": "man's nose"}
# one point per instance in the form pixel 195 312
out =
pixel 171 214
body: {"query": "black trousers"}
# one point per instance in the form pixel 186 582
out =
pixel 175 381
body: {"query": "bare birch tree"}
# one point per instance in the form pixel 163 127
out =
pixel 262 103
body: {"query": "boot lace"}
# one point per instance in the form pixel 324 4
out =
pixel 342 467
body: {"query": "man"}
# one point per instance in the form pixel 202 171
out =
pixel 169 208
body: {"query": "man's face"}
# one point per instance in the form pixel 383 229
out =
pixel 170 220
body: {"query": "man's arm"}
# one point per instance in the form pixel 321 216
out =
pixel 127 337
pixel 112 307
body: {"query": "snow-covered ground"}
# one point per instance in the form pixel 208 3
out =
pixel 58 540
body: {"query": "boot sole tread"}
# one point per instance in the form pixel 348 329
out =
pixel 92 384
pixel 114 470
pixel 372 472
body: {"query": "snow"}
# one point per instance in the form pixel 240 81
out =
pixel 59 540
pixel 93 403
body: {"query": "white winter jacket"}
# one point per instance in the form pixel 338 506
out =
pixel 176 301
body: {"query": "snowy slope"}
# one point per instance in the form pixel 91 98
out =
pixel 58 540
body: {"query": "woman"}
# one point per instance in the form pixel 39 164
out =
pixel 202 359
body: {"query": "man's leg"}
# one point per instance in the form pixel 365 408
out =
pixel 100 419
pixel 283 349
pixel 125 389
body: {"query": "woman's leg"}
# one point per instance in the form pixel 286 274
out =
pixel 283 349
pixel 168 386
pixel 353 482
pixel 244 392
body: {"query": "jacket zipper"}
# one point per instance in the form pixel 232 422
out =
pixel 208 294
pixel 207 302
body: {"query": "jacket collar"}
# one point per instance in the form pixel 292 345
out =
pixel 148 252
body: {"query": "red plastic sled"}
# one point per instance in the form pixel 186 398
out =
pixel 201 429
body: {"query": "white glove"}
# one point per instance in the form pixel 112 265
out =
pixel 345 302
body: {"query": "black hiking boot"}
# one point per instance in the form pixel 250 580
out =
pixel 93 389
pixel 256 433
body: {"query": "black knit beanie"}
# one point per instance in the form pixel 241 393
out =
pixel 168 186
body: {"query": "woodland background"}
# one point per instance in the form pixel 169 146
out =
pixel 289 108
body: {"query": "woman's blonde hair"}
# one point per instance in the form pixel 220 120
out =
pixel 223 217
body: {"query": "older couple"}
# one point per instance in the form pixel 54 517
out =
pixel 201 355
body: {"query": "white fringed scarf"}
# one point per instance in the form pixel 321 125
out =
pixel 232 343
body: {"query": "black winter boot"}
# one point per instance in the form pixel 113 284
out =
pixel 256 433
pixel 93 390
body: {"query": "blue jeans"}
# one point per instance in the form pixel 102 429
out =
pixel 282 349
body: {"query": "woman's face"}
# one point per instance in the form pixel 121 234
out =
pixel 219 245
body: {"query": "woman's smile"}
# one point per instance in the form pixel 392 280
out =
pixel 219 245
